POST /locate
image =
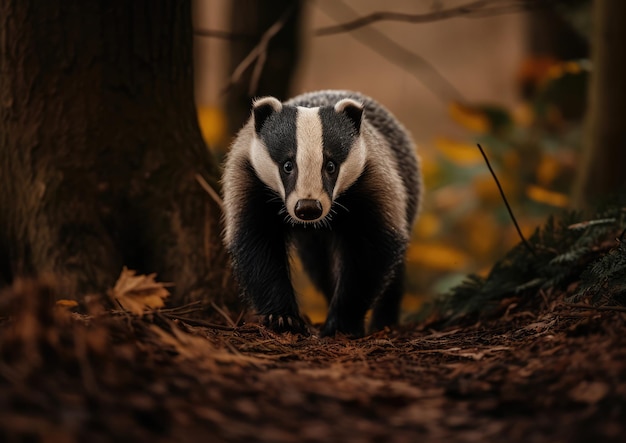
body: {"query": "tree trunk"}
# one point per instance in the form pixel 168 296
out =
pixel 100 147
pixel 604 156
pixel 253 18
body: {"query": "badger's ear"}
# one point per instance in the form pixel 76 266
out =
pixel 263 108
pixel 351 109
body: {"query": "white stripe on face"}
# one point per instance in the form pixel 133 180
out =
pixel 265 167
pixel 309 161
pixel 352 167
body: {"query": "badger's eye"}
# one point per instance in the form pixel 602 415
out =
pixel 288 167
pixel 331 167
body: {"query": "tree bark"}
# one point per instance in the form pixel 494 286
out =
pixel 253 18
pixel 604 156
pixel 100 147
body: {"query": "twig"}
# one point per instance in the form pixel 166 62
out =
pixel 586 224
pixel 198 322
pixel 259 54
pixel 597 308
pixel 506 202
pixel 224 314
pixel 207 187
pixel 413 63
pixel 473 9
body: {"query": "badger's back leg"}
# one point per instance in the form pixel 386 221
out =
pixel 366 258
pixel 387 308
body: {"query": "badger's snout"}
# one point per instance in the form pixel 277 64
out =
pixel 308 209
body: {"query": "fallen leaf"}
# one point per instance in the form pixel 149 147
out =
pixel 66 303
pixel 138 293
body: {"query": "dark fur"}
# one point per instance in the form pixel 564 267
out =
pixel 357 264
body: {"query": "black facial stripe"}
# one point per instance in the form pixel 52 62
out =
pixel 338 136
pixel 278 133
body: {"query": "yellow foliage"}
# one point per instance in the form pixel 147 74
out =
pixel 463 154
pixel 546 196
pixel 437 256
pixel 535 69
pixel 511 161
pixel 481 232
pixel 212 124
pixel 547 170
pixel 412 302
pixel 487 190
pixel 560 69
pixel 430 170
pixel 470 118
pixel 523 115
pixel 428 225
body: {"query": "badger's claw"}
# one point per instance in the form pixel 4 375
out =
pixel 286 323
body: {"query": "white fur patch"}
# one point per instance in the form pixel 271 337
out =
pixel 352 168
pixel 266 168
pixel 269 100
pixel 309 160
pixel 341 105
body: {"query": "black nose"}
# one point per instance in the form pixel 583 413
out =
pixel 308 209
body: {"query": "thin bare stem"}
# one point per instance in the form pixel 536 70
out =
pixel 258 54
pixel 598 308
pixel 209 190
pixel 224 314
pixel 413 63
pixel 506 202
pixel 199 322
pixel 480 8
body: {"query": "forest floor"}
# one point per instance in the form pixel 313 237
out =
pixel 540 370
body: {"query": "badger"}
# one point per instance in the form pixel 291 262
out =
pixel 333 175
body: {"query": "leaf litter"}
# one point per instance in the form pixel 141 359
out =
pixel 536 371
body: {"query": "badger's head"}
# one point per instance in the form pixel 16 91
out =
pixel 309 156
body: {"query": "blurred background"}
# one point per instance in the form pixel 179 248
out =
pixel 509 74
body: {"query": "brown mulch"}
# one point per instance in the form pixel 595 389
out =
pixel 542 371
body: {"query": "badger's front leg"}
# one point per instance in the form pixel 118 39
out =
pixel 365 263
pixel 261 266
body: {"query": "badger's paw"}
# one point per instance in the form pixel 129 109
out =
pixel 286 323
pixel 332 327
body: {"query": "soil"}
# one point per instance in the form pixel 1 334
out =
pixel 540 370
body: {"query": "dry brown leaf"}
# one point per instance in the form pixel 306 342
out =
pixel 138 293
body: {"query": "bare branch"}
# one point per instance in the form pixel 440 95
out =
pixel 413 63
pixel 209 190
pixel 258 54
pixel 479 8
pixel 506 202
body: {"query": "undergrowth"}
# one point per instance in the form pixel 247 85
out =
pixel 566 249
